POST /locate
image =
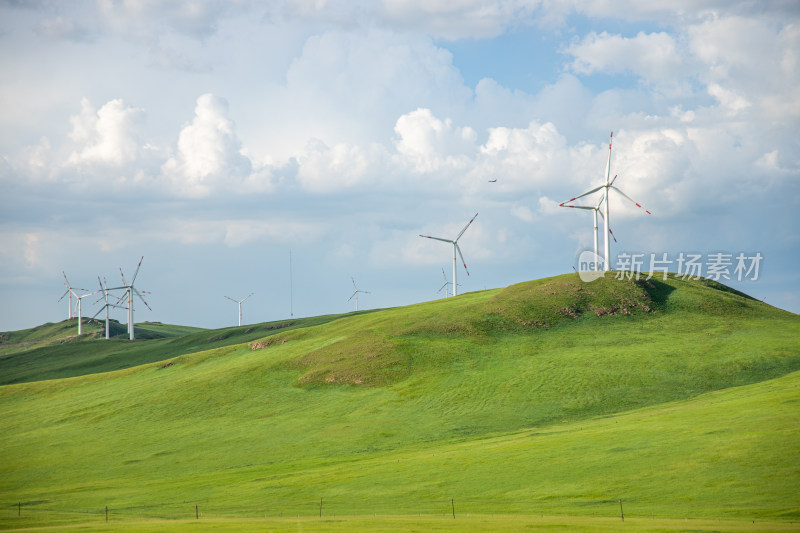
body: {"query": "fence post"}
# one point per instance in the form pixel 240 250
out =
pixel 320 507
pixel 453 503
pixel 19 509
pixel 620 510
pixel 106 514
pixel 196 512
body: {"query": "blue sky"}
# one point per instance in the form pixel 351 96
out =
pixel 214 137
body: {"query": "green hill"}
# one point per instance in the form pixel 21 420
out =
pixel 55 351
pixel 551 395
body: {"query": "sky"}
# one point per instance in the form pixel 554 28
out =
pixel 286 148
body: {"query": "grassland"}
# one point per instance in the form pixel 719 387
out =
pixel 55 351
pixel 550 397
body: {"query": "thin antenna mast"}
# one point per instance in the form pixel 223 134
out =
pixel 291 295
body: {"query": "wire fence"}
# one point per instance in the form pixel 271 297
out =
pixel 46 513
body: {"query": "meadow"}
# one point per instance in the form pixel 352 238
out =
pixel 546 399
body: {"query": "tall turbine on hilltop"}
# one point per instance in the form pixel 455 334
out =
pixel 355 294
pixel 69 292
pixel 609 184
pixel 456 250
pixel 239 303
pixel 596 210
pixel 104 289
pixel 80 312
pixel 130 290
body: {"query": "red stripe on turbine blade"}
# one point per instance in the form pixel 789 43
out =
pixel 648 212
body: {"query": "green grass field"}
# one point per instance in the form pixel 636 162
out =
pixel 548 398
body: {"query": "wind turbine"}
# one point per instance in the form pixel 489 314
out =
pixel 69 292
pixel 104 289
pixel 609 184
pixel 129 292
pixel 447 283
pixel 456 250
pixel 239 303
pixel 355 294
pixel 80 313
pixel 595 211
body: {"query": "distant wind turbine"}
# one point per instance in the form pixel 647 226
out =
pixel 104 289
pixel 69 292
pixel 355 294
pixel 446 285
pixel 456 250
pixel 130 290
pixel 80 313
pixel 609 184
pixel 239 303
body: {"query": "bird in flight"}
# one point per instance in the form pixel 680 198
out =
pixel 493 181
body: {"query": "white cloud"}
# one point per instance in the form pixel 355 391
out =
pixel 429 144
pixel 325 169
pixel 652 56
pixel 523 213
pixel 729 100
pixel 209 154
pixel 109 136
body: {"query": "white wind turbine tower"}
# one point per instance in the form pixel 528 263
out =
pixel 129 291
pixel 456 250
pixel 446 285
pixel 69 292
pixel 609 184
pixel 239 303
pixel 595 212
pixel 355 294
pixel 80 313
pixel 104 289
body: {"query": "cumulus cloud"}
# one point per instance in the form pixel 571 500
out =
pixel 652 56
pixel 110 135
pixel 328 169
pixel 428 143
pixel 209 154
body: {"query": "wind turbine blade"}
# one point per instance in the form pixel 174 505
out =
pixel 65 278
pixel 637 204
pixel 352 296
pixel 600 202
pixel 248 296
pixel 445 277
pixel 354 284
pixel 579 207
pixel 437 238
pixel 231 299
pixel 581 195
pixel 125 283
pixel 612 234
pixel 615 179
pixel 442 287
pixel 65 293
pixel 458 249
pixel 137 270
pixel 465 228
pixel 141 297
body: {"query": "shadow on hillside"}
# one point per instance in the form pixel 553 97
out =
pixel 658 290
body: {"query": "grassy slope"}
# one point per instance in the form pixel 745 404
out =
pixel 392 408
pixel 56 352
